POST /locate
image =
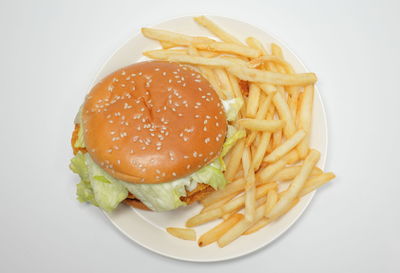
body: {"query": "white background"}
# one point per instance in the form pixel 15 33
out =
pixel 50 52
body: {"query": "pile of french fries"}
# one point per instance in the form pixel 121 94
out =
pixel 273 166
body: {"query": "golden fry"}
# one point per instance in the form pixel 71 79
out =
pixel 214 234
pixel 182 233
pixel 285 147
pixel 216 30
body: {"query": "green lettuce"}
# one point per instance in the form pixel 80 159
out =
pixel 232 108
pixel 78 166
pixel 211 174
pixel 80 142
pixel 107 191
pixel 84 190
pixel 84 193
pixel 232 136
pixel 160 197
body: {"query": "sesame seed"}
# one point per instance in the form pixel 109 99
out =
pixel 173 174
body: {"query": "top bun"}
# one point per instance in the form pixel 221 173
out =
pixel 153 122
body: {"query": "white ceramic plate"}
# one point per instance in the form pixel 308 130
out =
pixel 148 228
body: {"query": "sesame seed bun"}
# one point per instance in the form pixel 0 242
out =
pixel 153 122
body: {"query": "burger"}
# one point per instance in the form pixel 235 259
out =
pixel 152 135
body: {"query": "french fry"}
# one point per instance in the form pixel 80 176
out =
pixel 198 60
pixel 228 48
pixel 219 203
pixel 256 44
pixel 232 188
pixel 238 203
pixel 295 187
pixel 276 139
pixel 214 234
pixel 234 162
pixel 224 82
pixel 305 119
pixel 276 50
pixel 182 233
pixel 204 217
pixel 293 157
pixel 265 221
pixel 285 114
pixel 250 196
pixel 267 88
pixel 261 125
pixel 240 227
pixel 236 89
pixel 261 114
pixel 167 45
pixel 261 149
pixel 285 147
pixel 315 182
pixel 173 37
pixel 216 30
pixel 293 101
pixel 290 173
pixel 232 205
pixel 246 161
pixel 163 54
pixel 287 68
pixel 272 198
pixel 255 75
pixel 210 76
pixel 253 101
pixel 265 174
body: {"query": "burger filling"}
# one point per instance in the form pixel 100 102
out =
pixel 101 189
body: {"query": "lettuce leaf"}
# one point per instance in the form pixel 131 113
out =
pixel 80 143
pixel 78 166
pixel 211 175
pixel 232 108
pixel 232 136
pixel 108 193
pixel 85 193
pixel 84 190
pixel 160 197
